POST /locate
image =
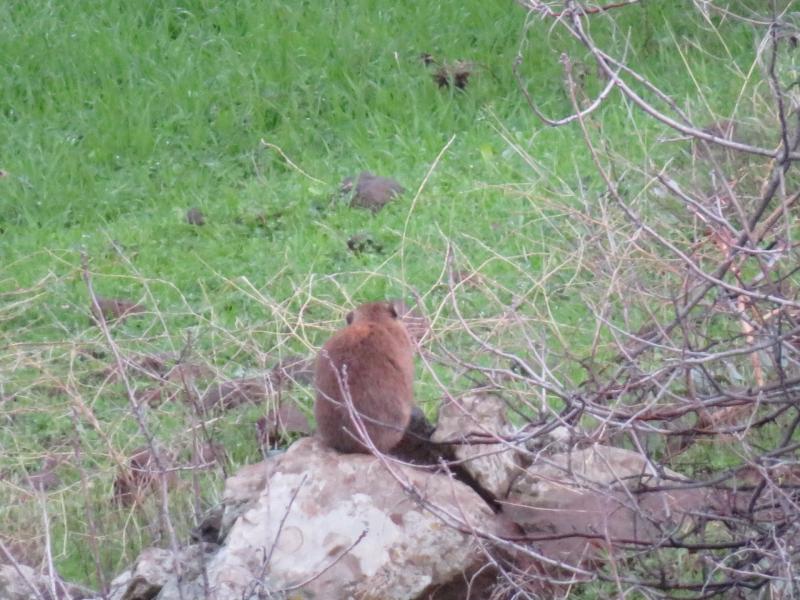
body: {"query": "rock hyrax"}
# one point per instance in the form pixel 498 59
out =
pixel 371 362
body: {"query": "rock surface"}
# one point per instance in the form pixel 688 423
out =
pixel 585 502
pixel 319 524
pixel 155 570
pixel 372 191
pixel 313 523
pixel 21 582
pixel 476 415
pixel 349 521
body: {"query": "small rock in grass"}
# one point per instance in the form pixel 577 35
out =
pixel 235 392
pixel 194 216
pixel 371 191
pixel 114 309
pixel 280 423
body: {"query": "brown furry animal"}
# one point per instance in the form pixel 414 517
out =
pixel 371 362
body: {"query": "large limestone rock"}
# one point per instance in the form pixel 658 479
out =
pixel 346 520
pixel 313 523
pixel 549 480
pixel 578 505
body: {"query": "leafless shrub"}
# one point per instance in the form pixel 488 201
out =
pixel 685 269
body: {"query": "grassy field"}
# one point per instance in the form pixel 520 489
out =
pixel 117 117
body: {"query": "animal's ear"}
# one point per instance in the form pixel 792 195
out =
pixel 398 308
pixel 349 318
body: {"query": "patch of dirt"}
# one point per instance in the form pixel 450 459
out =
pixel 141 477
pixel 361 243
pixel 209 454
pixel 46 478
pixel 160 366
pixel 455 74
pixel 294 369
pixel 253 390
pixel 235 392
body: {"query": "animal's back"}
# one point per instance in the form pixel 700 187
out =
pixel 370 360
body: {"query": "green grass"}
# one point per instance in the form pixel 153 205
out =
pixel 118 116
